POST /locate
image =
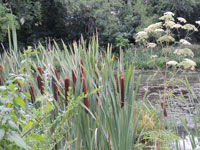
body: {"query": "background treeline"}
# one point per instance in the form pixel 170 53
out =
pixel 115 20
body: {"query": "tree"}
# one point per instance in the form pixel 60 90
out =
pixel 5 17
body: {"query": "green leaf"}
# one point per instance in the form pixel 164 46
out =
pixel 3 88
pixel 11 87
pixel 12 125
pixel 28 96
pixel 9 99
pixel 14 137
pixel 38 137
pixel 19 101
pixel 49 108
pixel 21 69
pixel 2 133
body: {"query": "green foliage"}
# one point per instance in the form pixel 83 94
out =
pixel 165 38
pixel 5 17
pixel 48 123
pixel 41 20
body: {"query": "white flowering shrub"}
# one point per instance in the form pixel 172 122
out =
pixel 164 34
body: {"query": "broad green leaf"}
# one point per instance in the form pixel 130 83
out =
pixel 14 137
pixel 12 125
pixel 28 96
pixel 11 87
pixel 2 133
pixel 38 137
pixel 19 101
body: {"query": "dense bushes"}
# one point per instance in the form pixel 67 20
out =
pixel 68 19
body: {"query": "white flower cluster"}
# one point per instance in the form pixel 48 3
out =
pixel 142 35
pixel 198 22
pixel 184 52
pixel 184 42
pixel 190 27
pixel 153 27
pixel 181 19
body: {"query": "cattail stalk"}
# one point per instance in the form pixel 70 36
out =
pixel 86 99
pixel 74 80
pixel 117 84
pixel 98 93
pixel 56 73
pixel 122 90
pixel 55 86
pixel 40 81
pixel 20 87
pixel 32 93
pixel 55 90
pixel 82 71
pixel 67 84
pixel 164 109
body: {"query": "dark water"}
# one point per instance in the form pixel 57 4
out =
pixel 182 101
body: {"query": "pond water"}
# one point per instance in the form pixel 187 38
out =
pixel 182 102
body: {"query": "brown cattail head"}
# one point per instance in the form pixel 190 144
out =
pixel 1 68
pixel 164 108
pixel 82 71
pixel 40 84
pixel 122 90
pixel 40 81
pixel 32 92
pixel 20 87
pixel 74 79
pixel 55 90
pixel 98 93
pixel 40 70
pixel 67 84
pixel 86 100
pixel 56 73
pixel 96 76
pixel 117 84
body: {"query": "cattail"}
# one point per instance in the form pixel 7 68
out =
pixel 55 90
pixel 55 86
pixel 40 70
pixel 40 84
pixel 86 100
pixel 67 84
pixel 20 87
pixel 98 94
pixel 40 81
pixel 122 90
pixel 117 84
pixel 1 68
pixel 32 92
pixel 56 72
pixel 74 79
pixel 82 71
pixel 164 109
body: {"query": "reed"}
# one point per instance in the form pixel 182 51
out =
pixel 40 80
pixel 32 93
pixel 67 85
pixel 86 99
